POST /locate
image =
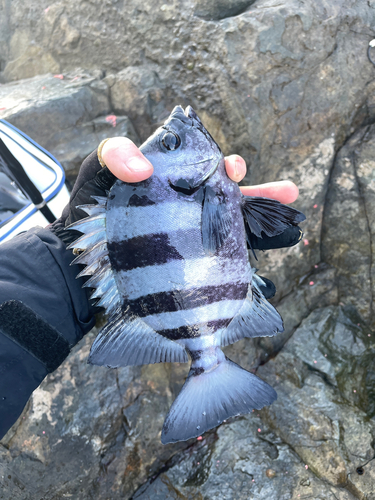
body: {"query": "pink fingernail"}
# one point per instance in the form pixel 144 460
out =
pixel 237 168
pixel 137 164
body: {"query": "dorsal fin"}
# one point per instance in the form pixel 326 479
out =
pixel 264 215
pixel 95 256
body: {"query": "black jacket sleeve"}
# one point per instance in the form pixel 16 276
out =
pixel 44 311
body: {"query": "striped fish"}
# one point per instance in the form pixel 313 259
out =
pixel 168 259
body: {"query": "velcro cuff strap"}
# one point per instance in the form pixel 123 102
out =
pixel 30 331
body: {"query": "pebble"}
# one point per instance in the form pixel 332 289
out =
pixel 270 473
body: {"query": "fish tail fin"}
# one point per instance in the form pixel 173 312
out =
pixel 211 395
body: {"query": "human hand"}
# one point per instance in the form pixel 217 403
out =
pixel 125 161
pixel 128 164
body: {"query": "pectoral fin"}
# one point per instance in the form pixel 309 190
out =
pixel 216 220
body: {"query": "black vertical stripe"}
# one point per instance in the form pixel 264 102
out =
pixel 140 201
pixel 142 251
pixel 194 331
pixel 177 300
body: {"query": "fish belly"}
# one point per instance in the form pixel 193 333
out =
pixel 165 277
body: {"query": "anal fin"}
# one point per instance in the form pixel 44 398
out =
pixel 129 341
pixel 256 318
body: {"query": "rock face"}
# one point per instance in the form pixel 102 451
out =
pixel 288 85
pixel 348 232
pixel 67 114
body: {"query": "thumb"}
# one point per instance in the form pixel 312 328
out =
pixel 125 160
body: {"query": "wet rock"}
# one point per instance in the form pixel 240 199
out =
pixel 322 411
pixel 90 432
pixel 235 465
pixel 348 230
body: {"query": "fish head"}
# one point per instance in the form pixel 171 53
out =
pixel 182 151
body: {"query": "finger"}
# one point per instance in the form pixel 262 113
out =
pixel 283 191
pixel 125 160
pixel 235 166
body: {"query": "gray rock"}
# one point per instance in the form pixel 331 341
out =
pixel 323 396
pixel 89 432
pixel 45 105
pixel 287 85
pixel 67 114
pixel 317 289
pixel 74 144
pixel 220 9
pixel 245 461
pixel 348 228
pixel 138 93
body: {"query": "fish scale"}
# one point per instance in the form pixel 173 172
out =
pixel 155 243
pixel 168 259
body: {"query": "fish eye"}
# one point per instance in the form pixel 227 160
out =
pixel 171 141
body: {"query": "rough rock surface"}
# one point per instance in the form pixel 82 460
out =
pixel 286 84
pixel 67 114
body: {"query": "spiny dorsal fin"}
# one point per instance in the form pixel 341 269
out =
pixel 95 256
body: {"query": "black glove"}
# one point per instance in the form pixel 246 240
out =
pixel 44 310
pixel 92 180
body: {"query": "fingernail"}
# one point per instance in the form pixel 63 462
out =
pixel 138 164
pixel 237 168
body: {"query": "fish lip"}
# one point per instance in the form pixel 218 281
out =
pixel 192 188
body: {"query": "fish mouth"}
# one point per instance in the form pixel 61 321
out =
pixel 185 115
pixel 182 186
pixel 190 186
